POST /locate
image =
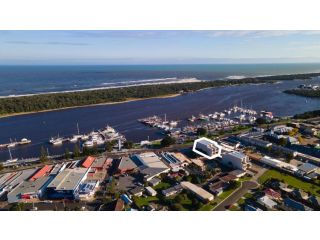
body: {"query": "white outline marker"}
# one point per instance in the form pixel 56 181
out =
pixel 210 141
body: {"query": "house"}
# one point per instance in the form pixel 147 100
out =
pixel 218 187
pixel 119 205
pixel 236 160
pixel 299 194
pixel 154 181
pixel 238 173
pixel 151 191
pixel 198 191
pixel 267 202
pixel 314 200
pixel 294 205
pixel 172 190
pixel 228 178
pixel 248 207
pixel 272 194
pixel 137 191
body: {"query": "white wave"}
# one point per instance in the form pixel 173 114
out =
pixel 235 77
pixel 142 81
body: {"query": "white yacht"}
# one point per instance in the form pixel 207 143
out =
pixel 56 140
pixel 24 141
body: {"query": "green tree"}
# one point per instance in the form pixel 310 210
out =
pixel 283 141
pixel 67 153
pixel 17 207
pixel 1 167
pixel 202 131
pixel 167 141
pixel 76 151
pixel 109 146
pixel 128 144
pixel 261 121
pixel 43 155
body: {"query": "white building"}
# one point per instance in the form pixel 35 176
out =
pixel 151 191
pixel 236 160
pixel 207 148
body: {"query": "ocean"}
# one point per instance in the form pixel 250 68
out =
pixel 20 80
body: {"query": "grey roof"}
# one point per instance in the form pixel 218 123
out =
pixel 29 187
pixel 147 171
pixel 68 179
pixel 20 177
pixel 237 154
pixel 136 190
pixel 307 167
pixel 127 163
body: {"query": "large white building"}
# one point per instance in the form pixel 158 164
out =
pixel 236 160
pixel 207 148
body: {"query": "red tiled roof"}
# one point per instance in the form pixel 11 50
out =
pixel 87 163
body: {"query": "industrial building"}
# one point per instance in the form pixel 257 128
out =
pixel 198 191
pixel 66 184
pixel 32 189
pixel 151 160
pixel 236 160
pixel 278 164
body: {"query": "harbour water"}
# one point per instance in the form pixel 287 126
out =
pixel 123 117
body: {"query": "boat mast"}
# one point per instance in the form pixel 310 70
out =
pixel 78 128
pixel 10 153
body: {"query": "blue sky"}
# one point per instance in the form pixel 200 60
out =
pixel 158 47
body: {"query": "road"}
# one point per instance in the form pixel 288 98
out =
pixel 236 195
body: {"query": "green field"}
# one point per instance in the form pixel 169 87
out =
pixel 290 180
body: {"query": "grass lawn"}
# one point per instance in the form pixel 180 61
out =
pixel 291 180
pixel 207 207
pixel 144 201
pixel 161 186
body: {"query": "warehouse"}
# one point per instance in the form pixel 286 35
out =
pixel 151 160
pixel 29 190
pixel 66 184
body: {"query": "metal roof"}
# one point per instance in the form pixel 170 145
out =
pixel 68 179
